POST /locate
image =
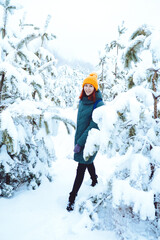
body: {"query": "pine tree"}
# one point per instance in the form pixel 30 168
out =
pixel 143 41
pixel 127 130
pixel 129 137
pixel 68 86
pixel 137 42
pixel 112 70
pixel 28 118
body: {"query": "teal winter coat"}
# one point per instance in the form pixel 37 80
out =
pixel 84 124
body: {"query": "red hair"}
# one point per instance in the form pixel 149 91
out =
pixel 91 97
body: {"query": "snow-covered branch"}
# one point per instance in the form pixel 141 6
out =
pixel 124 193
pixel 27 39
pixel 44 66
pixel 65 120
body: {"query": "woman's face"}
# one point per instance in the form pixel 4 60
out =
pixel 88 89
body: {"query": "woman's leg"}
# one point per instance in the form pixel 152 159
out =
pixel 79 177
pixel 92 172
pixel 76 186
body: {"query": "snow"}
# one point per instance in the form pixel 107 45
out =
pixel 155 153
pixel 134 188
pixel 154 44
pixel 155 183
pixel 8 159
pixel 92 144
pixel 122 191
pixel 122 205
pixel 41 214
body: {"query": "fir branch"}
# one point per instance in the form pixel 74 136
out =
pixel 44 66
pixel 65 120
pixel 143 30
pixel 10 8
pixel 133 50
pixel 27 39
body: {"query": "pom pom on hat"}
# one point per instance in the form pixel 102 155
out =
pixel 91 79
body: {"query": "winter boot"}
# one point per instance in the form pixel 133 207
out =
pixel 71 202
pixel 94 181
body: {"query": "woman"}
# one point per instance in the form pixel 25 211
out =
pixel 90 98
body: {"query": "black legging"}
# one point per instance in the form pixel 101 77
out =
pixel 80 175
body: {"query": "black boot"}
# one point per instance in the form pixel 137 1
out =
pixel 94 181
pixel 71 201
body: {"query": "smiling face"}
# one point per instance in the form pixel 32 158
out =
pixel 88 89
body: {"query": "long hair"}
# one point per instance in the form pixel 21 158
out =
pixel 91 97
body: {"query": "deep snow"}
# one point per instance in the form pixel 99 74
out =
pixel 41 214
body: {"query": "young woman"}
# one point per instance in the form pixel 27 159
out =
pixel 90 99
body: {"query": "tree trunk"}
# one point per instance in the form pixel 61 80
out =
pixel 155 98
pixel 1 86
pixel 156 196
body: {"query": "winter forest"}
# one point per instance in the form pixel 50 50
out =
pixel 39 96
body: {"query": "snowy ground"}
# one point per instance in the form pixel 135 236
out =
pixel 41 214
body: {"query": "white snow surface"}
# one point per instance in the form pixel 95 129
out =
pixel 42 214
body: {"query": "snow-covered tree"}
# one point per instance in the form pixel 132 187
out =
pixel 112 73
pixel 129 143
pixel 68 86
pixel 28 116
pixel 142 57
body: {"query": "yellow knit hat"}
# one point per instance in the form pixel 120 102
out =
pixel 91 79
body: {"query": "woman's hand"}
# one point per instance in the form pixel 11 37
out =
pixel 77 148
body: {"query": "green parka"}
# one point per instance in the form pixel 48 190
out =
pixel 84 124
